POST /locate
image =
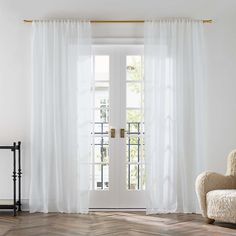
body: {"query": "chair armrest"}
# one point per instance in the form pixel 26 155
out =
pixel 208 181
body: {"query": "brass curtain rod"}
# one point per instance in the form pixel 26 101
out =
pixel 121 21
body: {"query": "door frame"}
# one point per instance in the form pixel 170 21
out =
pixel 114 198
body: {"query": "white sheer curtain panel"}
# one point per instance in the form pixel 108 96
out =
pixel 174 113
pixel 60 145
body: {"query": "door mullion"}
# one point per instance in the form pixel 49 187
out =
pixel 114 122
pixel 122 124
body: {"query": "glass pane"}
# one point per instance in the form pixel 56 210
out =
pixel 105 176
pixel 133 128
pixel 133 153
pixel 100 123
pixel 142 150
pixel 101 68
pixel 142 177
pixel 134 122
pixel 101 115
pixel 133 95
pixel 101 153
pixel 133 68
pixel 133 177
pixel 100 84
pixel 97 128
pixel 98 140
pixel 100 128
pixel 133 115
pixel 101 95
pixel 132 140
pixel 101 177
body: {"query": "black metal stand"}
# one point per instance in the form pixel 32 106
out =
pixel 16 204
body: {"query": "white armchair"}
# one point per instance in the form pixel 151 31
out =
pixel 217 193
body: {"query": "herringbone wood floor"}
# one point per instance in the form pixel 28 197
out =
pixel 110 223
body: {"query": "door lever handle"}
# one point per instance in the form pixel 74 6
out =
pixel 113 132
pixel 122 133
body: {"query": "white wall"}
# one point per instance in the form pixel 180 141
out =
pixel 221 129
pixel 14 96
pixel 15 87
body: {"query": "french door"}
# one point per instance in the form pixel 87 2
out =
pixel 117 176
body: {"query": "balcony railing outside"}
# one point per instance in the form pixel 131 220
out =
pixel 133 130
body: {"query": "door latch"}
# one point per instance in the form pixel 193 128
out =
pixel 113 133
pixel 122 133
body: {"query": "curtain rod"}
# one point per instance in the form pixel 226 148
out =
pixel 121 21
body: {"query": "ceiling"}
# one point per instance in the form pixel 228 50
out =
pixel 119 9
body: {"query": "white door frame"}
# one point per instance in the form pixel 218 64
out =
pixel 117 196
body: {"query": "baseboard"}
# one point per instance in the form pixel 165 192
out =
pixel 117 209
pixel 25 207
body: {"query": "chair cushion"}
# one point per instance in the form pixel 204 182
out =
pixel 221 205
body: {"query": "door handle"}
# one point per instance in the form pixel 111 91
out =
pixel 113 132
pixel 122 133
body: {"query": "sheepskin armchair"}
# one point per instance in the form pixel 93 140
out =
pixel 217 193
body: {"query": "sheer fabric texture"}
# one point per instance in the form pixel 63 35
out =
pixel 60 152
pixel 174 113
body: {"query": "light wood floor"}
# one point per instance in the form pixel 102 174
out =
pixel 110 223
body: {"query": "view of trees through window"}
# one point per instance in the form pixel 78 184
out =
pixel 135 174
pixel 134 119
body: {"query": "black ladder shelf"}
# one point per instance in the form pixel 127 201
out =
pixel 14 204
